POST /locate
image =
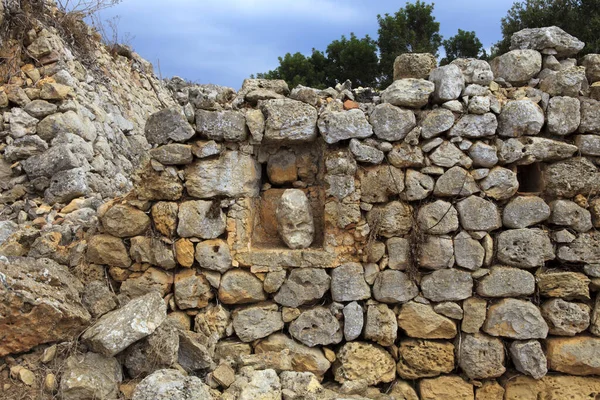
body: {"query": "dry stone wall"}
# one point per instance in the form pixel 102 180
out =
pixel 436 240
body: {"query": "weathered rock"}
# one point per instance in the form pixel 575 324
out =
pixel 455 182
pixel 214 255
pixel 158 185
pixel 568 213
pixel 529 358
pixel 364 153
pixel 281 168
pixel 435 122
pixel 159 350
pixel 256 321
pixel 304 358
pixel 475 126
pixel 449 83
pixel 98 298
pixel 393 219
pixel 481 356
pixel 303 286
pixel 213 320
pixel 191 290
pixel 448 155
pixel 478 214
pixel 500 183
pixel 25 147
pixel 173 154
pixel 40 108
pixel 408 92
pixel 152 251
pixel 295 220
pixel 424 358
pixel 483 155
pixel 171 384
pixel 584 249
pixel 566 82
pixel 517 66
pixel 436 252
pixel 468 252
pixel 564 284
pixel 239 286
pixel 524 211
pixel 122 220
pixel 571 177
pixel 391 123
pixel 116 330
pixel 341 125
pixel 525 248
pixel 40 304
pixel 475 71
pixel 589 145
pixel 226 125
pixel 447 285
pixel 380 325
pixel 348 283
pixel 392 286
pixel 353 321
pixel 590 109
pixel 404 155
pixel 289 121
pixel 474 316
pixel 379 183
pixel 449 309
pixel 437 218
pixel 506 282
pixel 565 318
pixel 563 116
pixel 524 387
pixel 152 280
pixel 516 319
pixel 364 361
pixel 417 186
pixel 166 125
pixel 90 376
pixel 201 219
pixel 109 250
pixel 548 40
pixel 576 356
pixel 420 321
pixel 445 387
pixel 233 174
pixel 195 351
pixel 317 326
pixel 414 65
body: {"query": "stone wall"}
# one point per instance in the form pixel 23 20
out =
pixel 433 241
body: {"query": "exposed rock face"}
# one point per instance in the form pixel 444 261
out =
pixel 49 292
pixel 295 220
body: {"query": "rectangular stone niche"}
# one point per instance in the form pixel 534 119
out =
pixel 531 178
pixel 285 167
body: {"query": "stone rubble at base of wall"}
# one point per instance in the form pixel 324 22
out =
pixel 454 250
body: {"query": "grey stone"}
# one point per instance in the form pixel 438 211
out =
pixel 303 286
pixel 348 283
pixel 159 350
pixel 483 155
pixel 475 126
pixel 478 214
pixel 417 186
pixel 543 149
pixel 213 255
pixel 517 66
pixel 191 289
pixel 171 384
pixel 115 331
pixel 548 40
pixel 506 282
pixel 251 384
pixel 414 65
pixel 173 154
pixel 122 220
pixel 390 122
pixel 449 83
pixel 584 249
pixel 566 318
pixel 437 218
pixel 520 117
pixel 399 253
pixel 589 145
pixel 341 125
pixel 405 156
pixel 421 321
pixel 481 356
pixel 289 121
pixel 153 251
pixel 394 287
pixel 295 222
pixel 204 149
pixel 455 182
pixel 240 286
pixel 353 321
pixel 566 82
pixel 571 177
pixel 475 71
pixel 500 184
pixel 166 125
pixel 595 318
pixel 468 252
pixel 379 183
pixel 568 213
pixel 256 321
pixel 60 157
pixel 449 309
pixel 195 351
pixel 21 123
pixel 408 92
pixel 67 185
pixel 590 114
pixel 479 105
pixel 474 310
pixel 381 325
pixel 591 62
pixel 435 122
pixel 392 219
pixel 448 155
pixel 201 219
pixel 234 174
pixel 525 248
pixel 25 147
pixel 447 285
pixel 99 299
pixel 317 327
pixel 515 319
pixel 90 376
pixel 524 211
pixel 365 153
pixel 435 252
pixel 40 108
pixel 529 358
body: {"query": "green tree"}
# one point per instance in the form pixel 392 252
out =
pixel 354 59
pixel 297 69
pixel 464 44
pixel 411 29
pixel 580 18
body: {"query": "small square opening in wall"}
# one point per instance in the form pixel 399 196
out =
pixel 288 167
pixel 531 178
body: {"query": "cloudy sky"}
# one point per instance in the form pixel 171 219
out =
pixel 224 41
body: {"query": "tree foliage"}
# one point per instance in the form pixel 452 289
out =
pixel 464 44
pixel 411 29
pixel 580 18
pixel 297 69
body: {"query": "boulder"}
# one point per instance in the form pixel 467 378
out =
pixel 515 319
pixel 437 218
pixel 239 286
pixel 478 214
pixel 392 123
pixel 364 361
pixel 289 121
pixel 468 252
pixel 118 329
pixel 157 351
pixel 225 125
pixel 122 220
pixel 214 255
pixel 424 358
pixel 506 282
pixel 392 286
pixel 417 186
pixel 568 213
pixel 353 321
pixel 303 286
pixel 379 183
pixel 563 116
pixel 408 92
pixel 525 248
pixel 566 82
pixel 529 358
pixel 191 290
pixel 90 376
pixel 475 126
pixel 571 177
pixel 474 71
pixel 342 125
pixel 548 40
pixel 393 219
pixel 435 122
pixel 517 66
pixel 576 356
pixel 584 249
pixel 435 252
pixel 449 83
pixel 447 285
pixel 474 310
pixel 348 283
pixel 153 251
pixel 365 153
pixel 317 327
pixel 565 318
pixel 167 125
pixel 173 154
pixel 201 219
pixel 109 250
pixel 414 65
pixel 304 358
pixel 256 321
pixel 295 220
pixel 564 284
pixel 381 325
pixel 524 211
pixel 455 182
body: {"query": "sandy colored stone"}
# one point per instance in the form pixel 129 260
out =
pixel 360 360
pixel 578 355
pixel 164 215
pixel 445 387
pixel 567 285
pixel 552 387
pixel 184 252
pixel 420 321
pixel 109 250
pixel 304 358
pixel 475 310
pixel 239 286
pixel 490 390
pixel 122 220
pixel 424 358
